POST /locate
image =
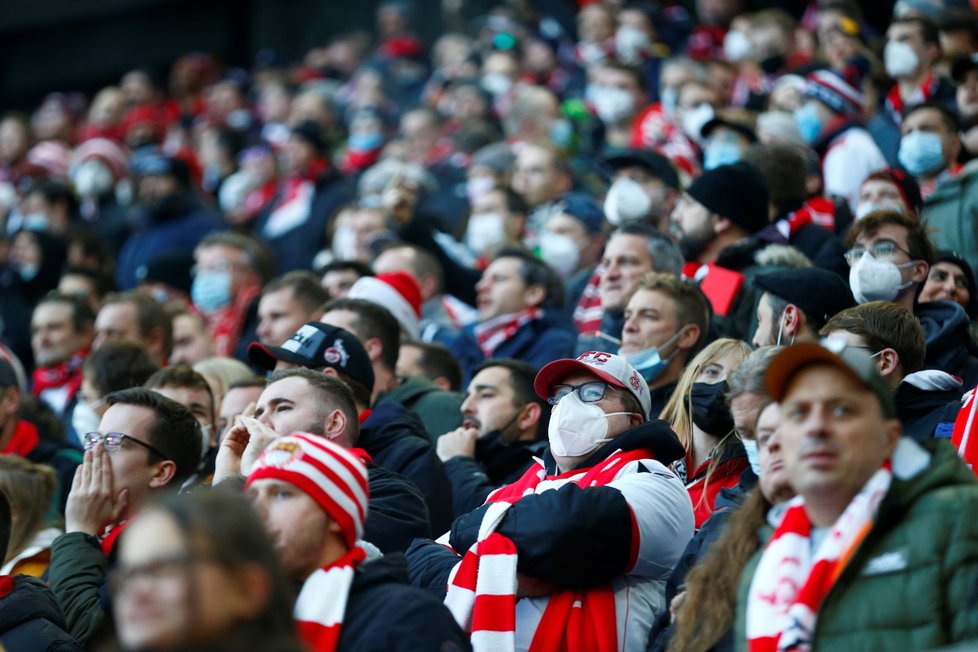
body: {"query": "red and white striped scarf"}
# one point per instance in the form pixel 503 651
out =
pixel 790 584
pixel 493 332
pixel 482 586
pixel 588 312
pixel 964 436
pixel 321 604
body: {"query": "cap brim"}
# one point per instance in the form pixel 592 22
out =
pixel 267 357
pixel 796 357
pixel 558 369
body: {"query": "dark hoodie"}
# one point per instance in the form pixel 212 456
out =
pixel 385 613
pixel 921 401
pixel 949 344
pixel 31 618
pixel 396 440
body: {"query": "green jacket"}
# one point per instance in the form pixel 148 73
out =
pixel 440 411
pixel 952 213
pixel 76 575
pixel 913 582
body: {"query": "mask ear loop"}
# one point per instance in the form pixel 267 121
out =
pixel 670 342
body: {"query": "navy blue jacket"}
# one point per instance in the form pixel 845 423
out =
pixel 537 343
pixel 396 440
pixel 31 619
pixel 385 613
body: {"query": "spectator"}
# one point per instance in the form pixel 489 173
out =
pixel 317 522
pixel 32 616
pixel 221 373
pixel 519 298
pixel 339 276
pixel 31 489
pixel 501 433
pixel 635 513
pixel 145 444
pixel 230 271
pixel 136 317
pixel 644 188
pixel 191 341
pixel 302 400
pixel 666 323
pixel 889 189
pixel 207 549
pixel 286 303
pixel 796 303
pixel 432 360
pixel 240 398
pixel 951 279
pixel 61 334
pixel 929 151
pixel 171 217
pixel 541 176
pixel 868 458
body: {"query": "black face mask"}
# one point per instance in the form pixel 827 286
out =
pixel 710 411
pixel 773 63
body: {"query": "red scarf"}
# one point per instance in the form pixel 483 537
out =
pixel 110 535
pixel 321 604
pixel 895 104
pixel 67 373
pixel 964 437
pixel 482 587
pixel 294 202
pixel 790 583
pixel 25 439
pixel 493 332
pixel 588 313
pixel 225 324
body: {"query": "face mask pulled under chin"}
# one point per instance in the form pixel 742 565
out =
pixel 876 280
pixel 649 362
pixel 577 428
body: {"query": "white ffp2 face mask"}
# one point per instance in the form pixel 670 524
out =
pixel 577 428
pixel 626 202
pixel 876 280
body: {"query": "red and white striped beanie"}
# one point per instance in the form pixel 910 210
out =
pixel 331 475
pixel 837 92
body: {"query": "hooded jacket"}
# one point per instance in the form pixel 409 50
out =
pixel 949 344
pixel 952 214
pixel 397 441
pixel 31 619
pixel 439 411
pixel 921 401
pixel 910 585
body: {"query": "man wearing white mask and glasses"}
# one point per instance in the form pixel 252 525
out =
pixel 599 522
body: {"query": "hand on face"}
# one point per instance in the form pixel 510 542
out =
pixel 457 443
pixel 93 502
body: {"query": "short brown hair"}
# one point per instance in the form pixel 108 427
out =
pixel 919 243
pixel 305 287
pixel 884 325
pixel 691 305
pixel 150 314
pixel 331 393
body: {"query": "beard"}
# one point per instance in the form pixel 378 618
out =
pixel 694 243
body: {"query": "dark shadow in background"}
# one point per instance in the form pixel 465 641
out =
pixel 83 45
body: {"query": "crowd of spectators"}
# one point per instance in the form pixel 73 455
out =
pixel 606 325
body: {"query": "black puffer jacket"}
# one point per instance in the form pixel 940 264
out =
pixel 31 619
pixel 384 613
pixel 397 441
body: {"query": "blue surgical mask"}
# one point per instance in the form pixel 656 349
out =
pixel 668 97
pixel 808 122
pixel 921 152
pixel 561 132
pixel 211 291
pixel 365 142
pixel 720 153
pixel 649 362
pixel 750 447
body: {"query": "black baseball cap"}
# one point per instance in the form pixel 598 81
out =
pixel 318 346
pixel 818 292
pixel 652 162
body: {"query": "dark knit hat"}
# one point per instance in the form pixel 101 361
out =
pixel 737 192
pixel 652 162
pixel 582 207
pixel 839 91
pixel 312 133
pixel 172 268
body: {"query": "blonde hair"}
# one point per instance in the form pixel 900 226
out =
pixel 678 411
pixel 220 373
pixel 30 488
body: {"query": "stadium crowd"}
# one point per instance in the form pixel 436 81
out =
pixel 612 325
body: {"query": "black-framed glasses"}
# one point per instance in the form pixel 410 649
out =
pixel 112 441
pixel 881 250
pixel 156 571
pixel 589 392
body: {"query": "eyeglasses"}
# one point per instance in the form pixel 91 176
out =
pixel 882 250
pixel 156 571
pixel 590 392
pixel 112 441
